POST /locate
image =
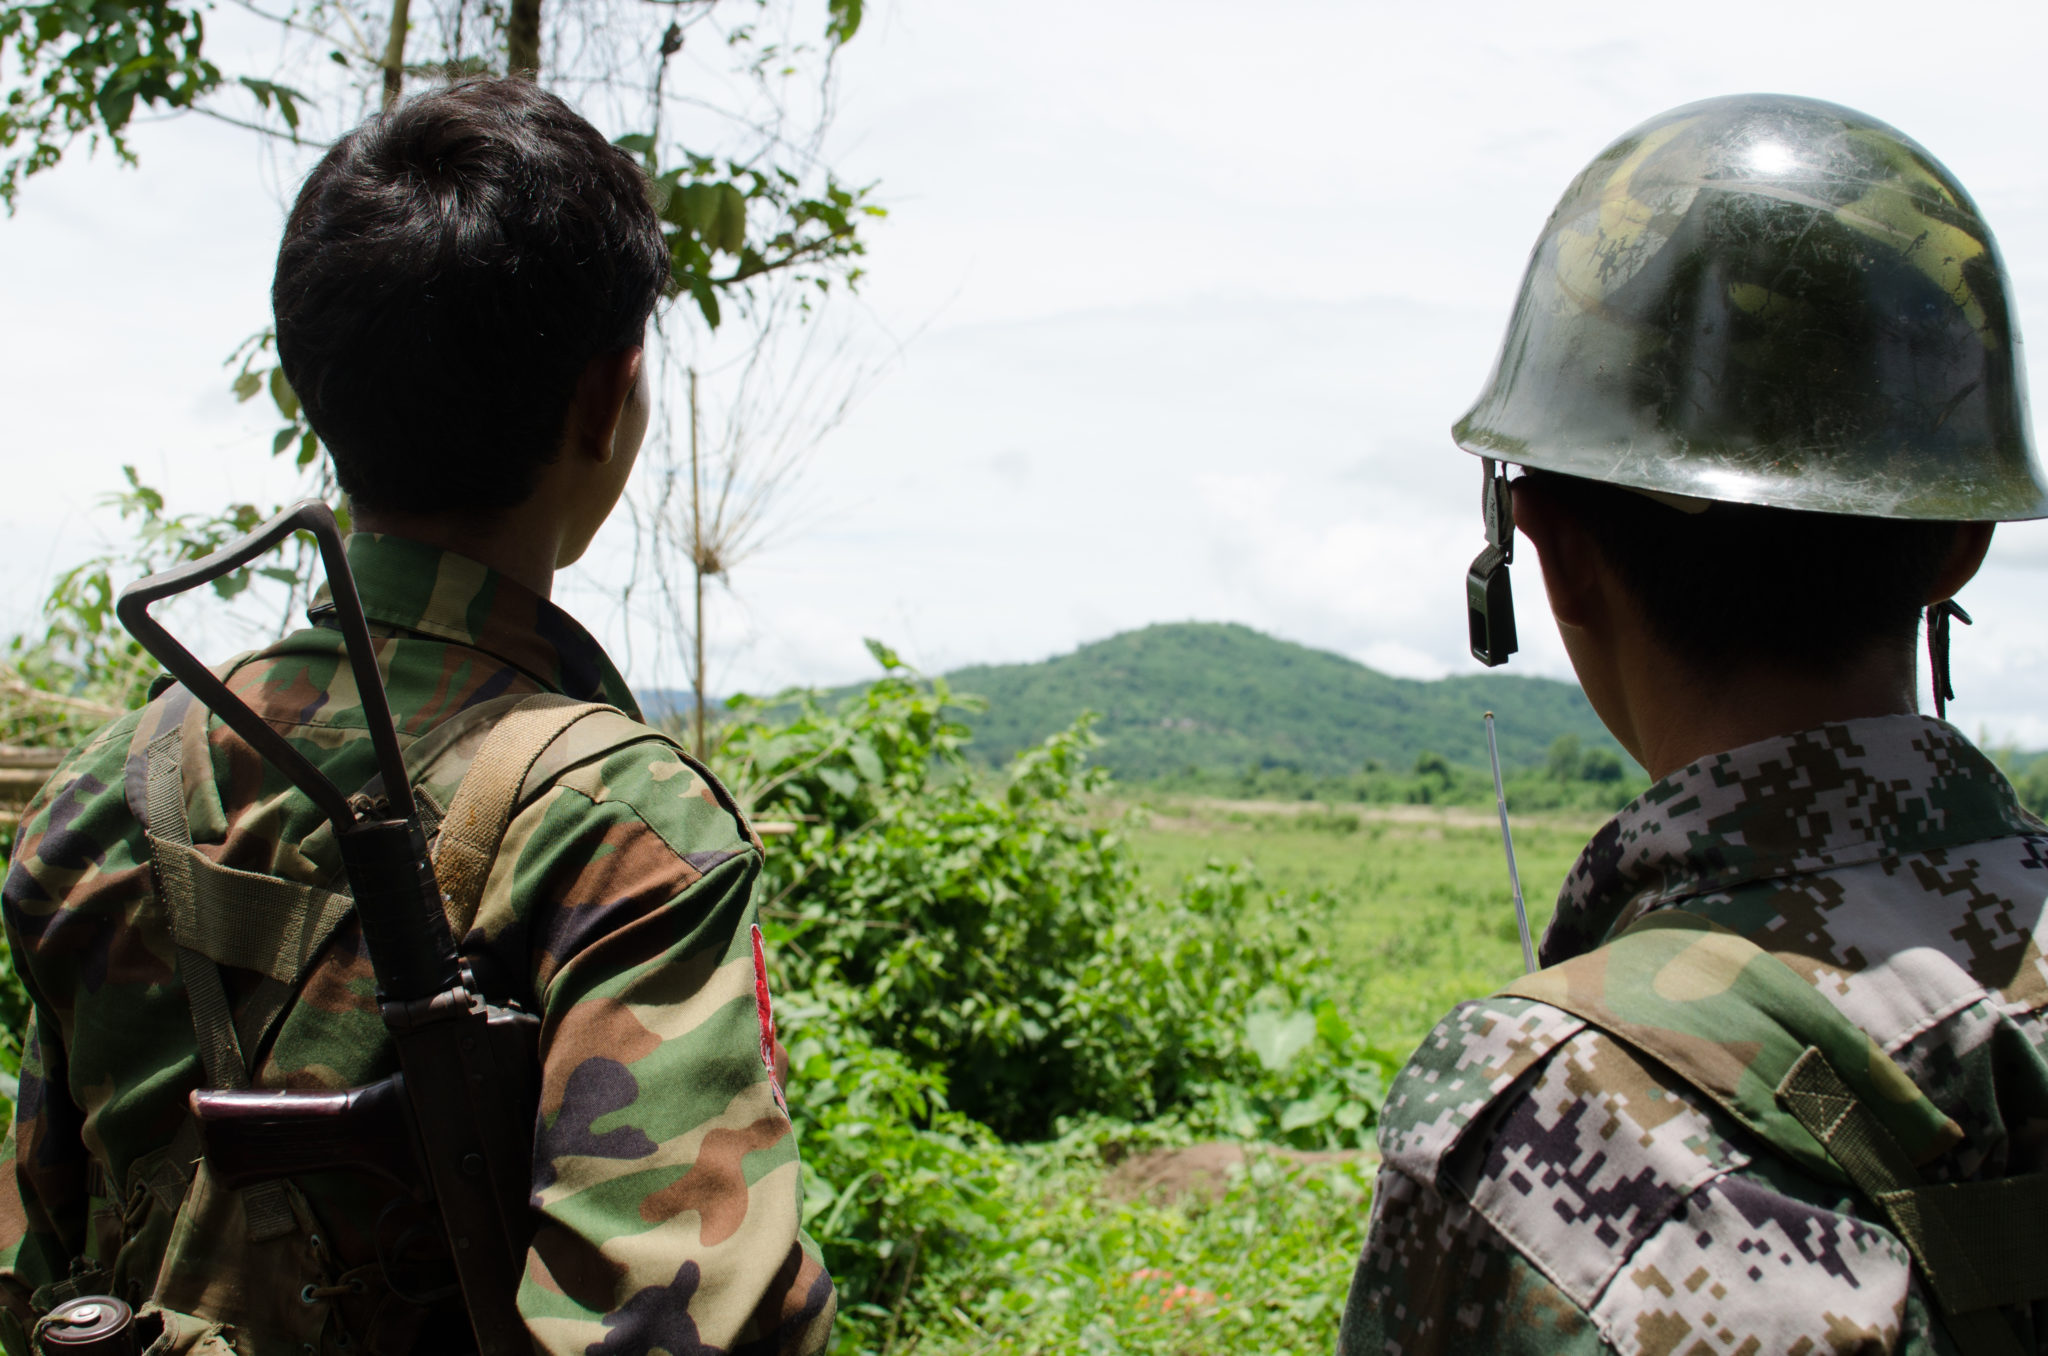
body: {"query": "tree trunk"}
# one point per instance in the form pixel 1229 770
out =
pixel 522 39
pixel 394 53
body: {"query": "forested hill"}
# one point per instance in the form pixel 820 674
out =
pixel 1215 697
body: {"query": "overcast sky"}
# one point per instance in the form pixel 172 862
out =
pixel 1187 296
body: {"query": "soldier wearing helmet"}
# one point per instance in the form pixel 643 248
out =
pixel 1782 1083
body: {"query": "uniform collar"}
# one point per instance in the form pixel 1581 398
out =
pixel 1825 798
pixel 409 586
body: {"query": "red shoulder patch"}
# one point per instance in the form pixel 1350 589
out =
pixel 764 1010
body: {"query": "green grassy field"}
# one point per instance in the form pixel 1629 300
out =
pixel 1422 914
pixel 1418 916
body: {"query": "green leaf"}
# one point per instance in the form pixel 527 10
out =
pixel 728 227
pixel 281 391
pixel 1351 1115
pixel 1310 1111
pixel 866 761
pixel 636 143
pixel 309 448
pixel 247 385
pixel 1279 1038
pixel 844 21
pixel 286 99
pixel 283 439
pixel 886 657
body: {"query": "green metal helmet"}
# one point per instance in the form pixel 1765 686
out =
pixel 1769 300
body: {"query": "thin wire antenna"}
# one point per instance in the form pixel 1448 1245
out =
pixel 1507 841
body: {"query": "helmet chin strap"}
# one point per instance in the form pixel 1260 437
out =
pixel 1489 601
pixel 1938 615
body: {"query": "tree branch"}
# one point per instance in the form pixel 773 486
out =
pixel 234 121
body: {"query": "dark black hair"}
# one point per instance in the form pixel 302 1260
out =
pixel 448 271
pixel 1741 584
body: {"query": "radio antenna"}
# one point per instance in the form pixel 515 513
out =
pixel 1507 841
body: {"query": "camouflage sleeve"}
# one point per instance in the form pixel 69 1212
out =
pixel 43 1177
pixel 665 1167
pixel 1545 1189
pixel 1436 1277
pixel 66 842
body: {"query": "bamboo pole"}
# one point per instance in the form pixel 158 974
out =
pixel 697 570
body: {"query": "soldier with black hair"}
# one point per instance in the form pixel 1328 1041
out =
pixel 461 299
pixel 1782 1083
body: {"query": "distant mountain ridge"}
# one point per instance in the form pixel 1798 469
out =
pixel 1220 697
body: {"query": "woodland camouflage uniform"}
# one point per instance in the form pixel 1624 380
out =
pixel 619 909
pixel 1547 1188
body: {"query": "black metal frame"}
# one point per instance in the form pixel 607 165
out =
pixel 308 515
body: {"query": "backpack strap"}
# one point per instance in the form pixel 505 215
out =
pixel 186 886
pixel 1748 1032
pixel 490 790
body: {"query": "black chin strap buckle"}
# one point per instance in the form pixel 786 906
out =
pixel 1489 600
pixel 1937 652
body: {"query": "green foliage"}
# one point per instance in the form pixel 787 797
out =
pixel 1077 1268
pixel 83 65
pixel 759 220
pixel 1570 761
pixel 992 933
pixel 893 1178
pixel 962 921
pixel 2029 775
pixel 83 651
pixel 261 373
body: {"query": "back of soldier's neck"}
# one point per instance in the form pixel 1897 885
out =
pixel 1680 715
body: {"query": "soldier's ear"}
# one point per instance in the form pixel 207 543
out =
pixel 1965 558
pixel 1571 563
pixel 608 395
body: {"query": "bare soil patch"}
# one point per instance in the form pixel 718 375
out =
pixel 1203 1171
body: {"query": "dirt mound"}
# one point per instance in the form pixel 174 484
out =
pixel 1201 1170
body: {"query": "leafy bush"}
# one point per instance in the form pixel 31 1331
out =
pixel 959 920
pixel 896 1184
pixel 994 935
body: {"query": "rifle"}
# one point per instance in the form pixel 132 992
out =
pixel 454 1128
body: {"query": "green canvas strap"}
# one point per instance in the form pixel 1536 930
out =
pixel 1743 1028
pixel 1979 1245
pixel 267 1211
pixel 1732 1020
pixel 474 827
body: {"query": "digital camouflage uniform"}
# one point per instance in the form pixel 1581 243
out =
pixel 619 910
pixel 1547 1189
